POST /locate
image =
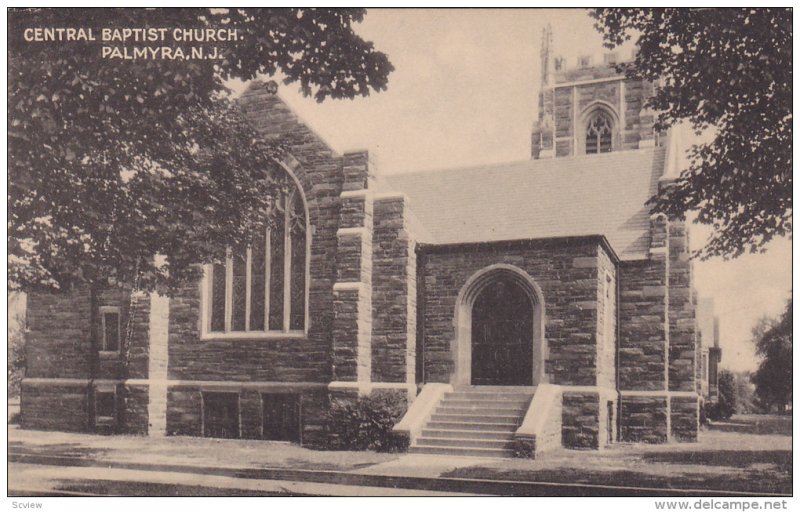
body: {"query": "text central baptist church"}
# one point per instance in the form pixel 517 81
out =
pixel 532 304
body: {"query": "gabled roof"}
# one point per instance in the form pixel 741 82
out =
pixel 546 198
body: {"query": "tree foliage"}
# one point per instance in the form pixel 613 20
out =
pixel 16 353
pixel 773 379
pixel 112 162
pixel 729 70
pixel 726 405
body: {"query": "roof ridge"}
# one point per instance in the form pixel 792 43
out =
pixel 510 163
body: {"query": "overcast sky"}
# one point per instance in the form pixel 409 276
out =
pixel 464 92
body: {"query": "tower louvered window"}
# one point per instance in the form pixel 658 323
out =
pixel 263 289
pixel 599 133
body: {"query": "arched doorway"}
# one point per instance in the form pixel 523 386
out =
pixel 502 335
pixel 499 336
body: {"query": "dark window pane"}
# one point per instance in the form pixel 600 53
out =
pixel 111 334
pixel 218 298
pixel 257 284
pixel 239 291
pixel 281 417
pixel 221 415
pixel 105 406
pixel 297 313
pixel 599 134
pixel 276 278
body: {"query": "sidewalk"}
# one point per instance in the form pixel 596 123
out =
pixel 31 479
pixel 721 464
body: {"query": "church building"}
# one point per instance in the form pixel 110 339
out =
pixel 518 307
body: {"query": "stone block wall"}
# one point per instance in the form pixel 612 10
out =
pixel 134 417
pixel 682 322
pixel 684 360
pixel 58 339
pixel 580 420
pixel 184 412
pixel 63 362
pixel 352 324
pixel 55 406
pixel 658 341
pixel 643 348
pixel 684 417
pixel 644 419
pixel 394 293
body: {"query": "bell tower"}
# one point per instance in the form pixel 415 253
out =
pixel 542 138
pixel 589 108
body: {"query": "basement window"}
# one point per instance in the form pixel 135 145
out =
pixel 105 408
pixel 221 415
pixel 281 417
pixel 110 320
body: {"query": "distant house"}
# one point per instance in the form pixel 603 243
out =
pixel 529 304
pixel 708 348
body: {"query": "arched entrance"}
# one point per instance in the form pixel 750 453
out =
pixel 502 335
pixel 499 322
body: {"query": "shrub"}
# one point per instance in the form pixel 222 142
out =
pixel 524 448
pixel 366 423
pixel 704 413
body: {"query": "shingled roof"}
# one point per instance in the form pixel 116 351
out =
pixel 556 197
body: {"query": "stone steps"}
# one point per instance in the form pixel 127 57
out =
pixel 507 419
pixel 507 435
pixel 475 422
pixel 481 410
pixel 463 443
pixel 471 425
pixel 464 452
pixel 488 402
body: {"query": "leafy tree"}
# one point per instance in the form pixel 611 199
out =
pixel 730 70
pixel 16 354
pixel 773 379
pixel 112 162
pixel 726 405
pixel 745 393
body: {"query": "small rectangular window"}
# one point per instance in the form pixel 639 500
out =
pixel 221 415
pixel 105 408
pixel 281 417
pixel 110 319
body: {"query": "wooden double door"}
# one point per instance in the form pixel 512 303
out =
pixel 502 335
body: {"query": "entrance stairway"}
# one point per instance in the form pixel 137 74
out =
pixel 476 421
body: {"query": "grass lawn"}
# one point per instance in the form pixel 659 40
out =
pixel 747 453
pixel 189 450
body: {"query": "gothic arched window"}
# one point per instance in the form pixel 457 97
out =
pixel 599 133
pixel 263 290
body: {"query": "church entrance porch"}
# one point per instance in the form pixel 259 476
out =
pixel 498 329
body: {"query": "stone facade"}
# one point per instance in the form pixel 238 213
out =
pixel 564 105
pixel 388 307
